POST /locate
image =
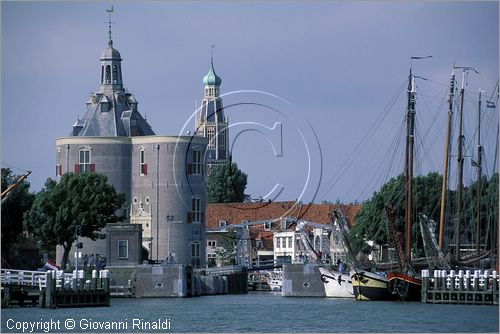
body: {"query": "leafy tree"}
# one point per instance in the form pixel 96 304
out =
pixel 226 252
pixel 226 184
pixel 18 201
pixel 371 221
pixel 84 199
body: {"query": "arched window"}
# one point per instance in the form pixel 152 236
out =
pixel 108 74
pixel 102 74
pixel 115 74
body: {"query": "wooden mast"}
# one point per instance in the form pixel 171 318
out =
pixel 446 162
pixel 460 170
pixel 410 138
pixel 479 166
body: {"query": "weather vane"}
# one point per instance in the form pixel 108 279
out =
pixel 212 53
pixel 109 11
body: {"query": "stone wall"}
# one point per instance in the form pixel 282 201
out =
pixel 302 280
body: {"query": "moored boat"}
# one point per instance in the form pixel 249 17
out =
pixel 371 286
pixel 407 287
pixel 337 284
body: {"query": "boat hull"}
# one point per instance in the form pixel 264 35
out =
pixel 371 286
pixel 407 287
pixel 337 285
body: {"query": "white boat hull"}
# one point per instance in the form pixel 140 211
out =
pixel 336 284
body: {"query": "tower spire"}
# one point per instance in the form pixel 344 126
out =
pixel 212 55
pixel 109 11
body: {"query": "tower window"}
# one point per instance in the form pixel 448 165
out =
pixel 196 209
pixel 115 74
pixel 210 137
pixel 143 164
pixel 108 74
pixel 102 74
pixel 197 162
pixel 84 160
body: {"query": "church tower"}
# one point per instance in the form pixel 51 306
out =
pixel 211 122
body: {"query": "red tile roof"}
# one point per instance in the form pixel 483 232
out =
pixel 236 213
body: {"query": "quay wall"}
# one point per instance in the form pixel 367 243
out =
pixel 176 280
pixel 302 280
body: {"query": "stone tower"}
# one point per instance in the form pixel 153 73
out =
pixel 162 177
pixel 211 122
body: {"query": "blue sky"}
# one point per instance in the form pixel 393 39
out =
pixel 338 65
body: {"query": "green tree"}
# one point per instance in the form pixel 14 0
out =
pixel 226 184
pixel 14 206
pixel 371 221
pixel 226 250
pixel 84 199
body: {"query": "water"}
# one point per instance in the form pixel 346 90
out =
pixel 260 312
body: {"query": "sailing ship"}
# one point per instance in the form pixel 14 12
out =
pixel 337 283
pixel 403 283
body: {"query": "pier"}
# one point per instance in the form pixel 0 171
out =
pixel 463 287
pixel 54 288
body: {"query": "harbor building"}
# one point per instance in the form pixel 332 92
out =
pixel 275 237
pixel 162 177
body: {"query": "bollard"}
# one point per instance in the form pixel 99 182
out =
pixel 486 280
pixel 452 280
pixel 436 279
pixel 104 274
pixel 74 280
pixel 443 279
pixel 94 280
pixel 48 288
pixel 477 273
pixel 495 283
pixel 425 285
pixel 467 280
pixel 80 280
pixel 460 280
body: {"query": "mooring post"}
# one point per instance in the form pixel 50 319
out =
pixel 467 284
pixel 50 289
pixel 104 274
pixel 81 280
pixel 436 279
pixel 495 287
pixel 452 280
pixel 443 280
pixel 486 280
pixel 74 279
pixel 460 280
pixel 477 273
pixel 425 285
pixel 94 280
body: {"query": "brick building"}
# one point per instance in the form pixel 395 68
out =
pixel 277 217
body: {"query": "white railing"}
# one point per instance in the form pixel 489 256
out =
pixel 24 277
pixel 213 271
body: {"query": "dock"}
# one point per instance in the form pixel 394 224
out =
pixel 54 288
pixel 463 287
